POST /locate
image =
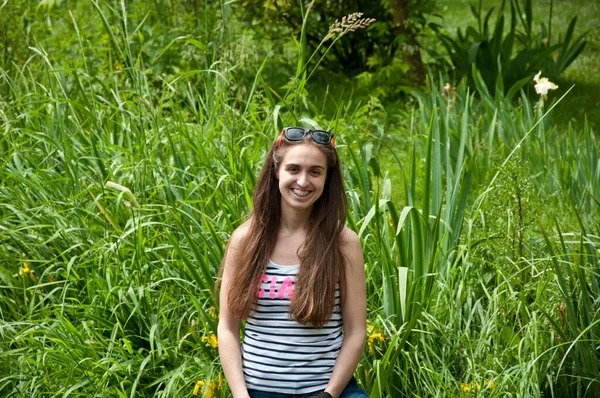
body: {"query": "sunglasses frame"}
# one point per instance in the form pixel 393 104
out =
pixel 306 131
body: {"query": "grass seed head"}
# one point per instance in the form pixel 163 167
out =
pixel 349 23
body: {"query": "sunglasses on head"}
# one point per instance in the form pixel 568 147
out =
pixel 298 133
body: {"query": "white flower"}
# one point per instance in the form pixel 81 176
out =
pixel 542 84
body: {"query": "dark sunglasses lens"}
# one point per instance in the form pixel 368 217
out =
pixel 321 137
pixel 294 134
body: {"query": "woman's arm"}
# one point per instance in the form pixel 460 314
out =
pixel 354 315
pixel 229 326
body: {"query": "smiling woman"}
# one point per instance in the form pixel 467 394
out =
pixel 287 272
pixel 301 176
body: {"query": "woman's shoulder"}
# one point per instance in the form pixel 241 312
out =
pixel 240 235
pixel 350 244
pixel 352 249
pixel 236 244
pixel 349 238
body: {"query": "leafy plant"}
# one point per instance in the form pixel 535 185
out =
pixel 129 156
pixel 577 325
pixel 398 23
pixel 507 57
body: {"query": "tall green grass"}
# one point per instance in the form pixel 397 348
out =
pixel 117 197
pixel 469 301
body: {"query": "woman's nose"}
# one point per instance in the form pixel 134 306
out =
pixel 302 180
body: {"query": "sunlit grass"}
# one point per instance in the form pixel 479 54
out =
pixel 117 198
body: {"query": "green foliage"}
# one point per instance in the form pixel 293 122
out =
pixel 504 227
pixel 355 53
pixel 507 58
pixel 577 325
pixel 480 326
pixel 385 58
pixel 386 81
pixel 129 154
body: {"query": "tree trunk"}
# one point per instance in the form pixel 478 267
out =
pixel 412 56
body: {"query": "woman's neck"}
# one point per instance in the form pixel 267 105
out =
pixel 293 220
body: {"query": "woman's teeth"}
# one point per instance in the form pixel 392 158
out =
pixel 300 193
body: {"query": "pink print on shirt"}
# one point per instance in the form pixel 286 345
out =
pixel 276 291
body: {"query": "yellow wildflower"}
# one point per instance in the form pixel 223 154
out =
pixel 490 384
pixel 118 65
pixel 210 389
pixel 465 387
pixel 198 387
pixel 32 276
pixel 211 340
pixel 26 268
pixel 213 312
pixel 207 389
pixel 374 336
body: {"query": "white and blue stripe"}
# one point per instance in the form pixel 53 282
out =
pixel 279 354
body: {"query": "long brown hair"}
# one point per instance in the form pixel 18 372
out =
pixel 322 262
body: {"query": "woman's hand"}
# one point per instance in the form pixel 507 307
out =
pixel 321 394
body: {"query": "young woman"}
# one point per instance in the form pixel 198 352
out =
pixel 295 274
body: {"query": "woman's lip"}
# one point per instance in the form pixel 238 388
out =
pixel 306 191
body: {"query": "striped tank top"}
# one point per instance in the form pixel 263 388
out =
pixel 279 354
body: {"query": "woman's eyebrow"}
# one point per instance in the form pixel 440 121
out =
pixel 309 167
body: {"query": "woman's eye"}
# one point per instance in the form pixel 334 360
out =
pixel 316 172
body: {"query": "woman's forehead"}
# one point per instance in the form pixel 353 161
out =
pixel 305 155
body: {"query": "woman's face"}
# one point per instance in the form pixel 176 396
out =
pixel 302 173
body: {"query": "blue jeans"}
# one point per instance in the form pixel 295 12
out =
pixel 352 390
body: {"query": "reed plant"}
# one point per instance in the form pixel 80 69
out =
pixel 479 317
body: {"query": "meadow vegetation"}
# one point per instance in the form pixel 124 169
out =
pixel 131 137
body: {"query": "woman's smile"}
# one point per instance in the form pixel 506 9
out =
pixel 301 193
pixel 302 174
